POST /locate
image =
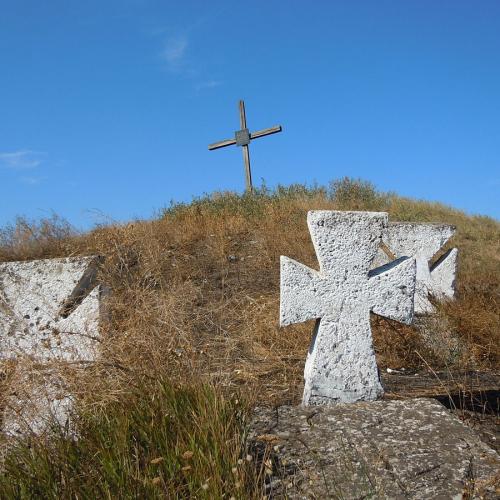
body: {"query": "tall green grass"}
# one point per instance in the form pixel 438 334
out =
pixel 162 442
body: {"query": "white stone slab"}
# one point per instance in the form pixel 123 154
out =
pixel 37 401
pixel 422 241
pixel 49 309
pixel 341 365
pixel 49 312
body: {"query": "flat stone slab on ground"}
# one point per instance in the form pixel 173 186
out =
pixel 384 449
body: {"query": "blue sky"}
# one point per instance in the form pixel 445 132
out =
pixel 107 107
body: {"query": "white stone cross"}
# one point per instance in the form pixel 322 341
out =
pixel 422 241
pixel 49 311
pixel 341 364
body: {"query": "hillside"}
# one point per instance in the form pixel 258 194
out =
pixel 196 294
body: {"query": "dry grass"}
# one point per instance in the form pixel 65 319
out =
pixel 196 293
pixel 196 290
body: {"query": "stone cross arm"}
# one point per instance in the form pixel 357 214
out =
pixel 443 274
pixel 346 243
pixel 306 294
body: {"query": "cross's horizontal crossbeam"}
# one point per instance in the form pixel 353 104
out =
pixel 253 135
pixel 266 131
pixel 221 144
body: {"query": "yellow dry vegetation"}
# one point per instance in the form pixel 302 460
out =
pixel 196 291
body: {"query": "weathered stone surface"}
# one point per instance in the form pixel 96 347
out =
pixel 49 314
pixel 341 365
pixel 36 401
pixel 49 309
pixel 412 449
pixel 423 241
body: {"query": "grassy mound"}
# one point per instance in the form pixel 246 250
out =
pixel 196 298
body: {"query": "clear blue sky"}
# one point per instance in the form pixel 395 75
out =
pixel 107 107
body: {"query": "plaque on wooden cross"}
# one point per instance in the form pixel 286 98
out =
pixel 242 138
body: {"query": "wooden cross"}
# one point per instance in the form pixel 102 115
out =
pixel 242 138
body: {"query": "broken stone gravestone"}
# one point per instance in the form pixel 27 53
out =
pixel 422 241
pixel 49 312
pixel 341 364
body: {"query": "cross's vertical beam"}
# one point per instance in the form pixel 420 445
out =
pixel 246 152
